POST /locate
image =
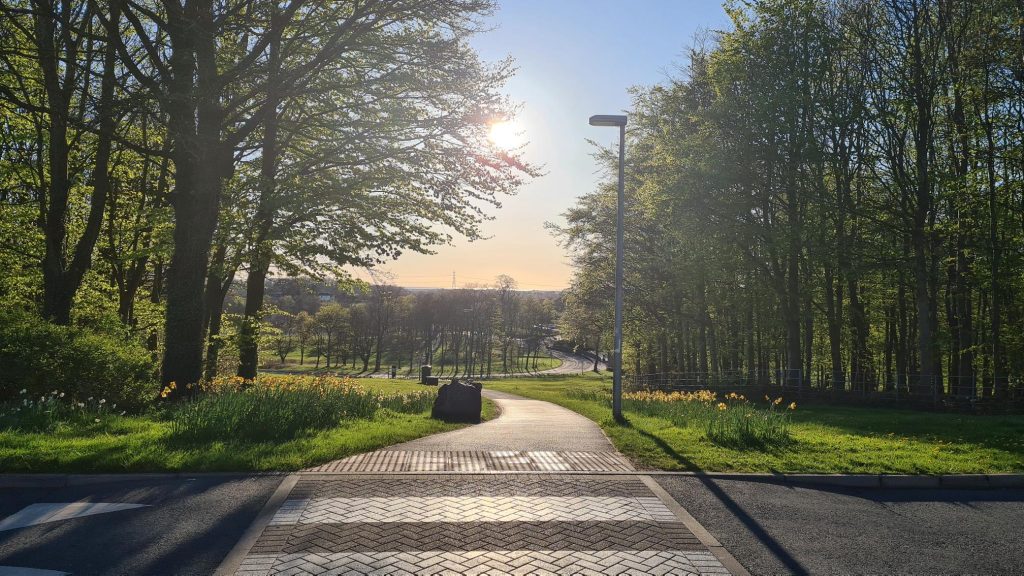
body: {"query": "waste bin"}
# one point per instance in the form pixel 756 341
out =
pixel 424 373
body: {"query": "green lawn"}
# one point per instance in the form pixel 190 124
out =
pixel 826 439
pixel 145 443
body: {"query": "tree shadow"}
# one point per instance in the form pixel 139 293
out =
pixel 751 524
pixel 134 541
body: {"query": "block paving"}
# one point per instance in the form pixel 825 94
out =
pixel 476 524
pixel 479 461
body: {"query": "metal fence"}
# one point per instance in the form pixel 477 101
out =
pixel 973 395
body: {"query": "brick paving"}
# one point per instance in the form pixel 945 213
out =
pixel 469 524
pixel 487 499
pixel 478 461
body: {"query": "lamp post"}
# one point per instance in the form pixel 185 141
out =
pixel 620 121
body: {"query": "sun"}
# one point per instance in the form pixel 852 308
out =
pixel 506 134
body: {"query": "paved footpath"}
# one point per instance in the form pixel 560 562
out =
pixel 540 490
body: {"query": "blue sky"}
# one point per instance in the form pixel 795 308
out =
pixel 575 58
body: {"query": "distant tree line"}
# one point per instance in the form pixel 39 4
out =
pixel 470 331
pixel 151 151
pixel 828 194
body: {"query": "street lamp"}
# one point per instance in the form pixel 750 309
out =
pixel 620 121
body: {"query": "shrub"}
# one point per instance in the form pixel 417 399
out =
pixel 283 407
pixel 732 421
pixel 40 358
pixel 741 424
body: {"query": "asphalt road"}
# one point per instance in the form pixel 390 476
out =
pixel 572 364
pixel 187 528
pixel 778 529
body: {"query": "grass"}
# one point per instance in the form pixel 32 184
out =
pixel 823 439
pixel 148 443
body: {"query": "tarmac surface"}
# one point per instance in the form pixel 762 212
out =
pixel 186 527
pixel 779 529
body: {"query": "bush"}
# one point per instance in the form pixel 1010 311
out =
pixel 41 358
pixel 734 421
pixel 283 407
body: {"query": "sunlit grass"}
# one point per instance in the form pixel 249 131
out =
pixel 284 407
pixel 827 439
pixel 147 443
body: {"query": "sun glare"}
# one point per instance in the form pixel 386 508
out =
pixel 507 134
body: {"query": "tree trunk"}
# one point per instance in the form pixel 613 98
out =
pixel 834 313
pixel 60 281
pixel 218 282
pixel 201 162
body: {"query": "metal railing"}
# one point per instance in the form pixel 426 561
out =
pixel 975 394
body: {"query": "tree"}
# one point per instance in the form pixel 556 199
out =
pixel 332 323
pixel 284 341
pixel 71 110
pixel 823 195
pixel 328 177
pixel 304 327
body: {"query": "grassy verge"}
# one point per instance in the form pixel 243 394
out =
pixel 148 443
pixel 826 439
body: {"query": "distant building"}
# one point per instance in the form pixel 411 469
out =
pixel 326 297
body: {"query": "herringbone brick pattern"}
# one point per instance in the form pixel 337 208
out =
pixel 459 524
pixel 473 509
pixel 595 562
pixel 469 536
pixel 471 485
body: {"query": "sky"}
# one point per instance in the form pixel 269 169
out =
pixel 575 58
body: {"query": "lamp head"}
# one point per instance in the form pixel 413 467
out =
pixel 608 120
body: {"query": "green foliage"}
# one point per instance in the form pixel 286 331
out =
pixel 279 408
pixel 731 421
pixel 826 188
pixel 41 358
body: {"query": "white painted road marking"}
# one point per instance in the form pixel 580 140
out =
pixel 21 571
pixel 52 512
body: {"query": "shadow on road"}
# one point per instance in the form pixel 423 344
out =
pixel 773 545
